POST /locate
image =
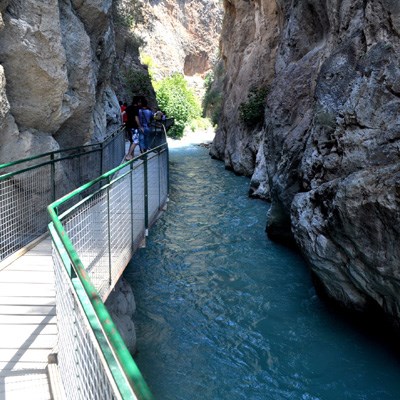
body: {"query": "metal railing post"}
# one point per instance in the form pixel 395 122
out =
pixel 159 179
pixel 53 178
pixel 146 193
pixel 165 138
pixel 131 196
pixel 101 158
pixel 109 233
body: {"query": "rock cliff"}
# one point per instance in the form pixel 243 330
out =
pixel 63 62
pixel 56 60
pixel 328 153
pixel 181 36
pixel 61 65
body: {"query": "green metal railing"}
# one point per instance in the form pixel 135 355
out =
pixel 93 241
pixel 27 186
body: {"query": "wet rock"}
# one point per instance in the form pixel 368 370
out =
pixel 121 306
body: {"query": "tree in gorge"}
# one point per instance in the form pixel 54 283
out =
pixel 178 101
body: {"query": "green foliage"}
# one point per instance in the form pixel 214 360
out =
pixel 147 60
pixel 177 101
pixel 212 100
pixel 208 80
pixel 251 112
pixel 128 13
pixel 139 83
pixel 199 124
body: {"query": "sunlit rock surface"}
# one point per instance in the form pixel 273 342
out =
pixel 328 153
pixel 181 36
pixel 56 62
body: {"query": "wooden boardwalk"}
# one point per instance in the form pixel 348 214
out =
pixel 28 328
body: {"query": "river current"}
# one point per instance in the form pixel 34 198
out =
pixel 224 313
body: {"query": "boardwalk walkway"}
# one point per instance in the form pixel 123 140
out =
pixel 28 329
pixel 28 326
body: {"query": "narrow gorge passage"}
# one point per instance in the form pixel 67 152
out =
pixel 224 313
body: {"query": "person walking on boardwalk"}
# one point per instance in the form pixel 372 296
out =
pixel 123 112
pixel 133 125
pixel 145 118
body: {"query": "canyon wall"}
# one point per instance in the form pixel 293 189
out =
pixel 180 36
pixel 64 64
pixel 328 153
pixel 55 76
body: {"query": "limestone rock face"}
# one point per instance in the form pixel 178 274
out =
pixel 121 306
pixel 178 37
pixel 181 36
pixel 248 46
pixel 328 153
pixel 57 58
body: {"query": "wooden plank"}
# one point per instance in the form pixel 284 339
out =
pixel 26 330
pixel 26 289
pixel 27 300
pixel 23 267
pixel 31 259
pixel 27 310
pixel 8 369
pixel 41 248
pixel 24 355
pixel 26 277
pixel 33 341
pixel 27 319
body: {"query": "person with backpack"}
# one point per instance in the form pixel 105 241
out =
pixel 145 118
pixel 133 126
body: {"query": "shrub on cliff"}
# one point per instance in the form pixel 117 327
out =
pixel 139 83
pixel 251 112
pixel 128 13
pixel 178 101
pixel 212 101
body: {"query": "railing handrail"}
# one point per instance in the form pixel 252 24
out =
pixel 122 353
pixel 37 178
pixel 114 338
pixel 67 149
pixel 53 206
pixel 51 161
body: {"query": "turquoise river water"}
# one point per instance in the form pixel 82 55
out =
pixel 224 313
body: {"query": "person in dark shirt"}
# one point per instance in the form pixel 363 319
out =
pixel 133 125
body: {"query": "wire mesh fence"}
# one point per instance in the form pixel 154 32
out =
pixel 108 226
pixel 20 222
pixel 97 237
pixel 88 374
pixel 28 186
